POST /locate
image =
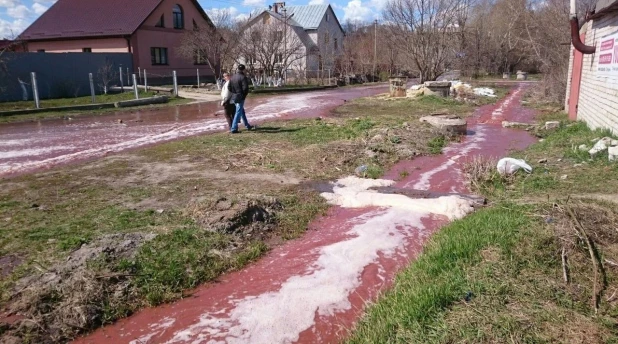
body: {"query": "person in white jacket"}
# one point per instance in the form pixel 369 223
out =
pixel 226 95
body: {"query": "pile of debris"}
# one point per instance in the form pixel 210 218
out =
pixel 601 145
pixel 457 89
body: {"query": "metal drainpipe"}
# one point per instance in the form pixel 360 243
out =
pixel 575 39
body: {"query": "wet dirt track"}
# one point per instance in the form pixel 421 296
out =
pixel 312 290
pixel 33 146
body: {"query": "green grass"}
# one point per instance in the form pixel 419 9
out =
pixel 412 311
pixel 437 144
pixel 496 276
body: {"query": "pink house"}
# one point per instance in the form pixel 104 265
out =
pixel 149 29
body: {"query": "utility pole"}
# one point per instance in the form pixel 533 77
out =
pixel 375 48
pixel 285 42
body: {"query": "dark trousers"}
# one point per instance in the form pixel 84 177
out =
pixel 230 110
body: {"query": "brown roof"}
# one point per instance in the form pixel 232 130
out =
pixel 92 18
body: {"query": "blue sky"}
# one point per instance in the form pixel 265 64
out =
pixel 16 15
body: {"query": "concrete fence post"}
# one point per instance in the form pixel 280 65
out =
pixel 94 100
pixel 329 77
pixel 175 84
pixel 35 91
pixel 121 82
pixel 128 77
pixel 135 89
pixel 198 78
pixel 139 74
pixel 145 81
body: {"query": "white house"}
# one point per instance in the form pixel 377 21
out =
pixel 299 39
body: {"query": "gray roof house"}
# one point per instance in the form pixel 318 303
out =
pixel 315 26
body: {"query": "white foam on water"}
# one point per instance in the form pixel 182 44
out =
pixel 505 104
pixel 172 134
pixel 463 150
pixel 157 329
pixel 324 289
pixel 30 152
pixel 19 142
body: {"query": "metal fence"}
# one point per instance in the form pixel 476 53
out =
pixel 63 75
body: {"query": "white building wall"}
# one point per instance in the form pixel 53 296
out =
pixel 598 98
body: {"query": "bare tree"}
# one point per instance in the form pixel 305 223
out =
pixel 106 74
pixel 271 44
pixel 427 32
pixel 212 45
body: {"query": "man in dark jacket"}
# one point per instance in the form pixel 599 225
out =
pixel 239 89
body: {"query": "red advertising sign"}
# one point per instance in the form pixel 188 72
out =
pixel 607 56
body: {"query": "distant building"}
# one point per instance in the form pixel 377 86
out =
pixel 315 26
pixel 592 90
pixel 149 29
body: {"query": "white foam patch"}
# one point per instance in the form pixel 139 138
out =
pixel 30 152
pixel 157 329
pixel 463 150
pixel 499 112
pixel 168 135
pixel 324 289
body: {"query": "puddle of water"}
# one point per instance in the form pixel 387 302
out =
pixel 32 146
pixel 313 289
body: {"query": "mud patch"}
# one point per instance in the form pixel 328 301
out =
pixel 8 264
pixel 72 297
pixel 246 216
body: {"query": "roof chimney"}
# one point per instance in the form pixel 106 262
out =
pixel 278 5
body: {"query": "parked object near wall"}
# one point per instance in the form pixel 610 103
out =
pixel 521 75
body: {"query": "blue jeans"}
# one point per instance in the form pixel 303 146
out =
pixel 240 114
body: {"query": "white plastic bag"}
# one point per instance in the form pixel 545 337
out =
pixel 510 166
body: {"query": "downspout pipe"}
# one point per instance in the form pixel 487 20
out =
pixel 575 39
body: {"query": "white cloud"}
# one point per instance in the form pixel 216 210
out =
pixel 317 2
pixel 8 3
pixel 357 11
pixel 10 29
pixel 254 3
pixel 39 9
pixel 18 12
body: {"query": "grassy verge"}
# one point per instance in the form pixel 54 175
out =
pixel 140 228
pixel 498 276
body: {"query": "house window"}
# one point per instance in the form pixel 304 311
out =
pixel 327 16
pixel 179 20
pixel 158 56
pixel 320 62
pixel 336 44
pixel 195 27
pixel 86 50
pixel 200 58
pixel 279 58
pixel 250 59
pixel 326 38
pixel 161 22
pixel 256 36
pixel 279 36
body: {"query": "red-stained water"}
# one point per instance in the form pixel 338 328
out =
pixel 32 146
pixel 303 290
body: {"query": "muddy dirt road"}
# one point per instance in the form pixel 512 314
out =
pixel 312 290
pixel 32 146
